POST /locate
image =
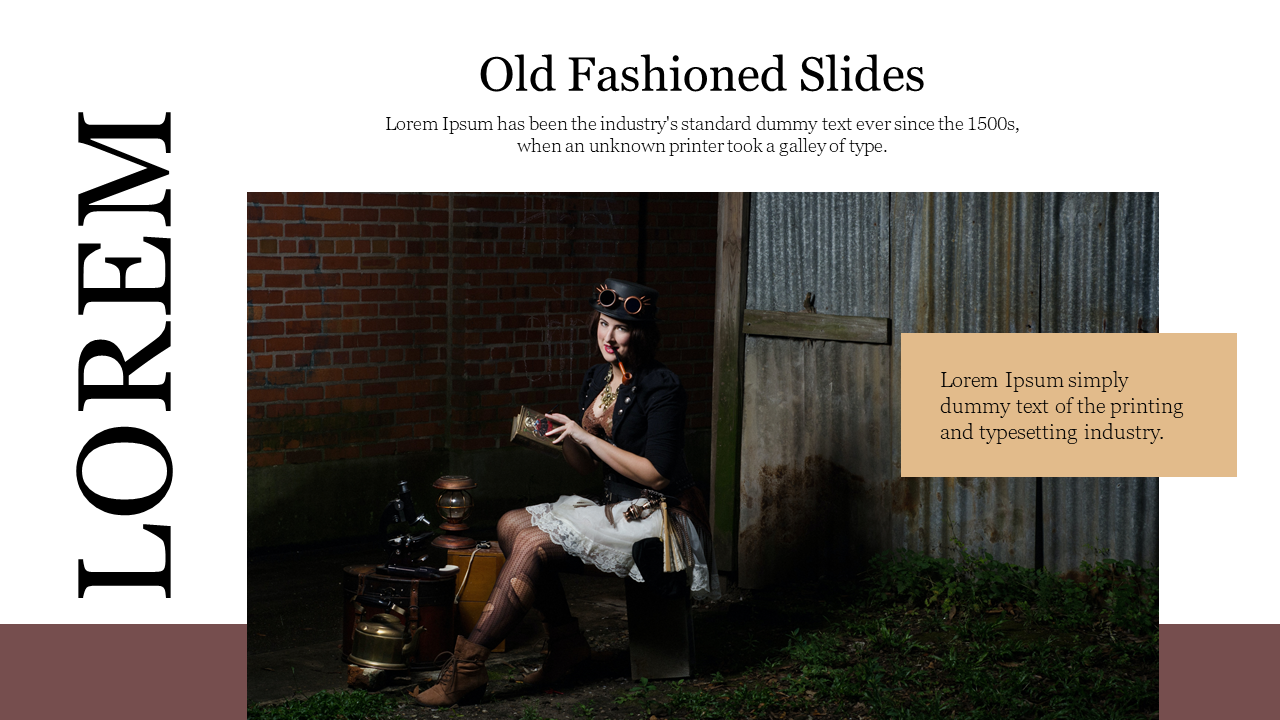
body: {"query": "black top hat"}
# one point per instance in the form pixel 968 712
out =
pixel 628 301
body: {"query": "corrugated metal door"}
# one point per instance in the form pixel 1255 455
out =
pixel 817 422
pixel 819 483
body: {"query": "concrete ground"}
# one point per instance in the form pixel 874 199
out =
pixel 295 621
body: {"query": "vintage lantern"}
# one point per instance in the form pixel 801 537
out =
pixel 455 506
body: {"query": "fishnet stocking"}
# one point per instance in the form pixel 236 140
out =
pixel 530 578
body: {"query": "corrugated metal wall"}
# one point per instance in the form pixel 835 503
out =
pixel 820 421
pixel 817 425
pixel 1101 264
pixel 1092 518
pixel 996 514
pixel 835 245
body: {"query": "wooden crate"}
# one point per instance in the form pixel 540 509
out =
pixel 484 572
pixel 661 633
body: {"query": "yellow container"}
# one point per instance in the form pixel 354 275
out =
pixel 484 565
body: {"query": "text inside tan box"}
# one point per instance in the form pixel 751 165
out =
pixel 1068 405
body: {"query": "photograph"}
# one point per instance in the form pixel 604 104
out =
pixel 669 423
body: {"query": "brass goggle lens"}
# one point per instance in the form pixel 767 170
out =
pixel 633 305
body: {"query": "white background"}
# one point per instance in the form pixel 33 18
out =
pixel 277 97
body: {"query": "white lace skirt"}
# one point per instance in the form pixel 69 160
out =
pixel 580 527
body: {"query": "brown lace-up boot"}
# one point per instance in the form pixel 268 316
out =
pixel 567 648
pixel 462 679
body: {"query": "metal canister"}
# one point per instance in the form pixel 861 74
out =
pixel 383 643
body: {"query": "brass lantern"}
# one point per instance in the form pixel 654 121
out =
pixel 454 505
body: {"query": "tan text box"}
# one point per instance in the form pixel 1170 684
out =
pixel 1068 405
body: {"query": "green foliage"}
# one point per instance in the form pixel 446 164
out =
pixel 969 585
pixel 531 713
pixel 1131 594
pixel 1120 592
pixel 923 637
pixel 815 648
pixel 641 689
pixel 883 638
pixel 329 705
pixel 740 702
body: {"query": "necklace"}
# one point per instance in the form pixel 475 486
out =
pixel 607 396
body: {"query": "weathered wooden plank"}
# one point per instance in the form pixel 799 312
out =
pixel 816 326
pixel 726 383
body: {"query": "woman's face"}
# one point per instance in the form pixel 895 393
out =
pixel 612 337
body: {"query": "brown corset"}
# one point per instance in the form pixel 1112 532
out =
pixel 596 425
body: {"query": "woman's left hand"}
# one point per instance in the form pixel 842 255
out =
pixel 567 428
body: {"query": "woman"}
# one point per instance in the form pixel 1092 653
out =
pixel 631 422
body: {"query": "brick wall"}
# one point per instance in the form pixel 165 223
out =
pixel 390 323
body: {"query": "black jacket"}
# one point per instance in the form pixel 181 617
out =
pixel 648 420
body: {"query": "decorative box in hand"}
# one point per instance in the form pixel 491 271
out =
pixel 529 428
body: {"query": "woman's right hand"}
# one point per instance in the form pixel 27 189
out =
pixel 567 428
pixel 575 453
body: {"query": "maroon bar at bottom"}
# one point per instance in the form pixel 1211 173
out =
pixel 1218 671
pixel 194 672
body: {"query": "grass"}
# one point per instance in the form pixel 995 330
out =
pixel 353 705
pixel 923 637
pixel 914 638
pixel 530 713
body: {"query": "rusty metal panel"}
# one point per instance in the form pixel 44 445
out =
pixel 932 262
pixel 834 245
pixel 817 432
pixel 816 445
pixel 993 514
pixel 1100 274
pixel 1092 518
pixel 1101 262
pixel 964 262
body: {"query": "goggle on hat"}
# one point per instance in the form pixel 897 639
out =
pixel 628 301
